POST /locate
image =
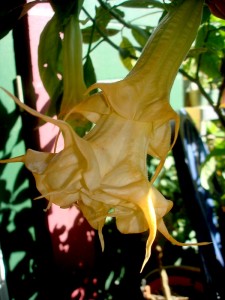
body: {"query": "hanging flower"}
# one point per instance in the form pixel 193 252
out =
pixel 104 173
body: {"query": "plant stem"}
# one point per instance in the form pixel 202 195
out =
pixel 206 95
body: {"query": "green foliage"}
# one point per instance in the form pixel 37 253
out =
pixel 167 182
pixel 204 65
pixel 141 35
pixel 213 169
pixel 126 52
pixel 212 41
pixel 143 4
pixel 89 72
pixel 50 62
pixel 100 25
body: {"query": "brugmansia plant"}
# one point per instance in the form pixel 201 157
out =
pixel 104 172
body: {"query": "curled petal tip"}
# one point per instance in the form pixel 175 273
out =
pixel 20 158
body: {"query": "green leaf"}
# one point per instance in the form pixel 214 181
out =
pixel 210 39
pixel 89 72
pixel 140 35
pixel 127 50
pixel 142 4
pixel 99 28
pixel 210 65
pixel 214 129
pixel 49 60
pixel 209 36
pixel 206 14
pixel 219 151
pixel 102 18
pixel 90 36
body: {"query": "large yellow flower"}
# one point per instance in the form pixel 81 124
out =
pixel 104 173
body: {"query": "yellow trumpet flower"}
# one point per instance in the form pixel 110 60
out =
pixel 104 173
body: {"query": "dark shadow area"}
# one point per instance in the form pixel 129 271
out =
pixel 85 270
pixel 118 267
pixel 189 152
pixel 24 236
